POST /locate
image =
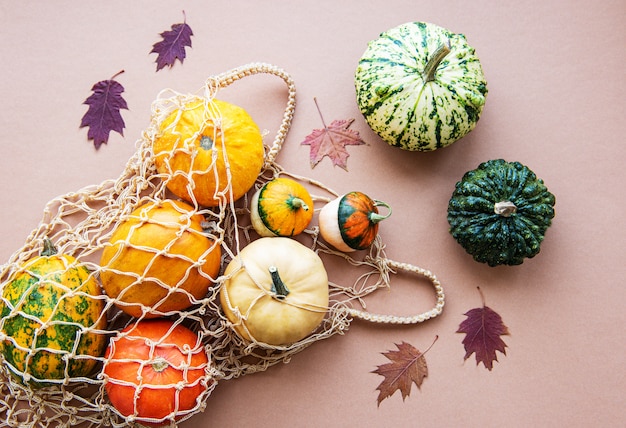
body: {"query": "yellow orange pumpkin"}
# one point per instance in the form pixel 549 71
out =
pixel 211 152
pixel 160 259
pixel 282 207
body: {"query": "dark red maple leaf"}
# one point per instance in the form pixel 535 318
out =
pixel 331 141
pixel 103 115
pixel 407 367
pixel 483 329
pixel 172 46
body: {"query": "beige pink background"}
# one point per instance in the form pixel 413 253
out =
pixel 556 78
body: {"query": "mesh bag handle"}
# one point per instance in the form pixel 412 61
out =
pixel 415 319
pixel 227 78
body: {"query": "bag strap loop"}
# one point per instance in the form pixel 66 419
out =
pixel 416 319
pixel 231 76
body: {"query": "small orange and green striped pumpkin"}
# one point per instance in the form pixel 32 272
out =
pixel 282 207
pixel 49 310
pixel 350 222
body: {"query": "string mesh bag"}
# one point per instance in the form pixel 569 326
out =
pixel 126 282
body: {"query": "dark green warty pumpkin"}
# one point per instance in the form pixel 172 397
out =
pixel 499 212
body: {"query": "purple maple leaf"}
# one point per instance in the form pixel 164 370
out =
pixel 173 45
pixel 103 115
pixel 483 329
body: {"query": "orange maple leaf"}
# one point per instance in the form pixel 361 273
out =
pixel 407 367
pixel 331 141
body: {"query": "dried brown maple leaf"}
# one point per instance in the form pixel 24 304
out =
pixel 483 328
pixel 407 366
pixel 331 141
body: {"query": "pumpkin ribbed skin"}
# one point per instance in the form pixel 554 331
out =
pixel 61 294
pixel 206 147
pixel 282 207
pixel 402 104
pixel 136 271
pixel 499 212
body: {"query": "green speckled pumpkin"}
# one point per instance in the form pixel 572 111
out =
pixel 45 307
pixel 420 86
pixel 499 212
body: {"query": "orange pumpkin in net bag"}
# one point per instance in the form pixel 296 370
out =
pixel 210 151
pixel 156 372
pixel 159 260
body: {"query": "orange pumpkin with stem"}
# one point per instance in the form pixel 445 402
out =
pixel 210 151
pixel 282 207
pixel 156 372
pixel 159 260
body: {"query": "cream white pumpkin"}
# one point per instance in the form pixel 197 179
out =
pixel 275 292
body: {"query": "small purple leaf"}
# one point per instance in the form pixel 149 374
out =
pixel 483 330
pixel 173 45
pixel 103 115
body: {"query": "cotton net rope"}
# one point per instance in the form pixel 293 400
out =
pixel 81 223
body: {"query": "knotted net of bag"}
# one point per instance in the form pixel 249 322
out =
pixel 69 344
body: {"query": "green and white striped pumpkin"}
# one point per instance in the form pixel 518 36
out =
pixel 420 87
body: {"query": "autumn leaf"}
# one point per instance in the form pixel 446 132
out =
pixel 331 141
pixel 483 328
pixel 103 115
pixel 173 45
pixel 407 366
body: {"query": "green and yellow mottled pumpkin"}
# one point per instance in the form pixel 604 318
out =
pixel 350 222
pixel 49 311
pixel 420 86
pixel 499 212
pixel 282 207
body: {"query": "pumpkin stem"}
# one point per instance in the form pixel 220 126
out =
pixel 504 208
pixel 159 365
pixel 433 62
pixel 278 286
pixel 206 142
pixel 375 217
pixel 296 203
pixel 48 248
